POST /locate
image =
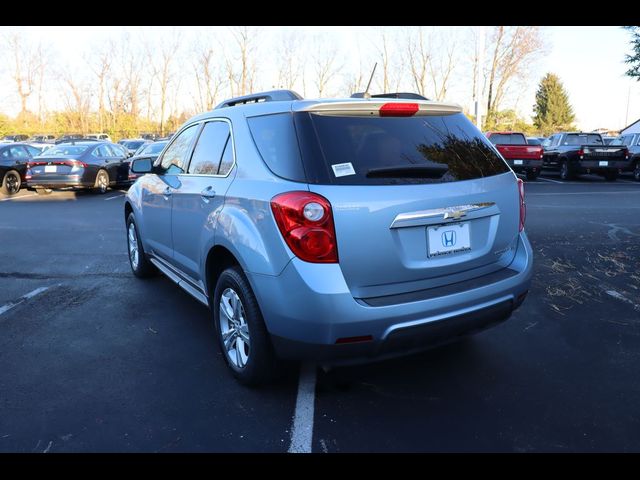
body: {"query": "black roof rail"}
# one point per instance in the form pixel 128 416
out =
pixel 412 96
pixel 270 96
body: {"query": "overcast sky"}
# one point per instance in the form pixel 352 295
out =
pixel 589 61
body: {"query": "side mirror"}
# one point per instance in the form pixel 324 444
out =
pixel 142 165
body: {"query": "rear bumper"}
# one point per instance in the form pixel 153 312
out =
pixel 596 166
pixel 526 164
pixel 58 181
pixel 308 308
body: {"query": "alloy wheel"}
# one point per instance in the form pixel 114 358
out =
pixel 133 246
pixel 234 330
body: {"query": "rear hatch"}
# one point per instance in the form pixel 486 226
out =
pixel 513 146
pixel 418 201
pixel 592 147
pixel 44 167
pixel 59 160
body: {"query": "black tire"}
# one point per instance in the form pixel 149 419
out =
pixel 261 365
pixel 611 175
pixel 636 171
pixel 566 171
pixel 102 182
pixel 143 268
pixel 43 191
pixel 531 175
pixel 11 183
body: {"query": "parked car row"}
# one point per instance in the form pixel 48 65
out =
pixel 569 153
pixel 91 164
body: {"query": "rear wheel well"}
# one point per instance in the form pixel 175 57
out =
pixel 127 210
pixel 218 260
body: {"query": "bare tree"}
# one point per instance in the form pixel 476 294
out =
pixel 241 61
pixel 208 75
pixel 162 59
pixel 78 100
pixel 325 65
pixel 418 58
pixel 431 60
pixel 290 65
pixel 100 64
pixel 512 51
pixel 27 64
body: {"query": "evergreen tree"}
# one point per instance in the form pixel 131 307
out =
pixel 553 112
pixel 634 58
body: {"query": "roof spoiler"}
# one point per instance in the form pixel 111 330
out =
pixel 408 95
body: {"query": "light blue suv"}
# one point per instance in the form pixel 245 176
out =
pixel 338 231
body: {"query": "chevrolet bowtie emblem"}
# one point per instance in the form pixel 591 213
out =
pixel 454 214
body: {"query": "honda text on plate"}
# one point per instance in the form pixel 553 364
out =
pixel 337 231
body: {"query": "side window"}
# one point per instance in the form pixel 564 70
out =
pixel 118 150
pixel 18 152
pixel 32 150
pixel 98 152
pixel 208 150
pixel 227 159
pixel 174 159
pixel 556 140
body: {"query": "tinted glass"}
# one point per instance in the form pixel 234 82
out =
pixel 208 150
pixel 398 150
pixel 65 150
pixel 118 150
pixel 33 150
pixel 507 139
pixel 174 159
pixel 583 139
pixel 534 141
pixel 134 145
pixel 18 152
pixel 227 159
pixel 275 137
pixel 152 149
pixel 618 141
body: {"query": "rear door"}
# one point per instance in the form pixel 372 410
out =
pixel 200 195
pixel 157 191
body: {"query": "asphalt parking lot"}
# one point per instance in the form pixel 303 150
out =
pixel 93 359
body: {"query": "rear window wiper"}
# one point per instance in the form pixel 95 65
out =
pixel 409 171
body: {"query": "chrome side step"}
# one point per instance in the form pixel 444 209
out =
pixel 175 277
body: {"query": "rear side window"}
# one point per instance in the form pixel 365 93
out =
pixel 399 150
pixel 208 150
pixel 275 137
pixel 507 139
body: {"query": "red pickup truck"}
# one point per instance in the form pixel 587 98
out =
pixel 520 156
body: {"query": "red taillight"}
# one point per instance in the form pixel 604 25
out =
pixel 306 223
pixel 398 109
pixel 581 152
pixel 523 207
pixel 626 153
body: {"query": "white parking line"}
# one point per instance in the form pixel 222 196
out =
pixel 594 193
pixel 302 428
pixel 115 196
pixel 550 180
pixel 5 308
pixel 17 198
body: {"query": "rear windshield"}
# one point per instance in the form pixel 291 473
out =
pixel 507 139
pixel 375 150
pixel 65 150
pixel 133 144
pixel 534 141
pixel 583 139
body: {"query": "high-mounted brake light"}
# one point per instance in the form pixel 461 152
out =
pixel 305 221
pixel 398 109
pixel 523 206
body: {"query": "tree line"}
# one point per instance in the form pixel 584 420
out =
pixel 135 83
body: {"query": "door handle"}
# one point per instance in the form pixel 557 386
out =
pixel 208 193
pixel 167 192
